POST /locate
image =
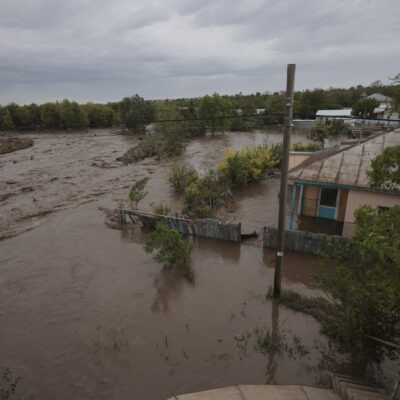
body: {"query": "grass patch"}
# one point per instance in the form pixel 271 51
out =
pixel 325 312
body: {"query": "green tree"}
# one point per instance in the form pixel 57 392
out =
pixel 174 132
pixel 172 249
pixel 6 123
pixel 385 173
pixel 72 116
pixel 138 191
pixel 365 284
pixel 34 111
pixel 135 112
pixel 99 115
pixel 319 133
pixel 213 107
pixel 50 115
pixel 365 107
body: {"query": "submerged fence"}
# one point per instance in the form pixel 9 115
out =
pixel 304 242
pixel 209 228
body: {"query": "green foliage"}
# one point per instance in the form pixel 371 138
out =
pixel 181 176
pixel 201 196
pixel 277 151
pixel 6 122
pixel 365 284
pixel 8 385
pixel 385 173
pixel 240 168
pixel 337 127
pixel 213 107
pixel 174 133
pixel 306 147
pixel 161 208
pixel 50 115
pixel 72 116
pixel 365 107
pixel 99 115
pixel 136 113
pixel 319 133
pixel 325 312
pixel 269 342
pixel 150 146
pixel 173 249
pixel 138 191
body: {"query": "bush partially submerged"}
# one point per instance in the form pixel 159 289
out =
pixel 155 146
pixel 150 146
pixel 240 168
pixel 173 250
pixel 161 208
pixel 203 194
pixel 182 176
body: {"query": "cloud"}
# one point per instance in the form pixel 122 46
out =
pixel 172 48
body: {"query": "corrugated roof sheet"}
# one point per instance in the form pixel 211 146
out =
pixel 335 113
pixel 346 166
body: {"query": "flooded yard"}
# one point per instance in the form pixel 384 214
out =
pixel 85 313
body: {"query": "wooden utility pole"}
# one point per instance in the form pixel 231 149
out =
pixel 291 69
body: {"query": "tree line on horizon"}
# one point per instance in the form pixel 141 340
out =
pixel 135 113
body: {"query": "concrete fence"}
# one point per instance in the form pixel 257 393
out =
pixel 304 242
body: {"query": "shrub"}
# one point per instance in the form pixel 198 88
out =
pixel 277 150
pixel 201 196
pixel 365 284
pixel 319 133
pixel 173 249
pixel 160 208
pixel 306 147
pixel 240 168
pixel 182 176
pixel 138 192
pixel 150 146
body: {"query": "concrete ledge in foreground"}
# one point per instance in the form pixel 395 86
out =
pixel 262 392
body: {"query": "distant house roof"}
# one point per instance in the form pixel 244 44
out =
pixel 382 108
pixel 347 166
pixel 345 112
pixel 379 97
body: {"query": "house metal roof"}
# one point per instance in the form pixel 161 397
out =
pixel 347 166
pixel 334 113
pixel 380 97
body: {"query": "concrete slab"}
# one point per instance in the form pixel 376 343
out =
pixel 320 394
pixel 272 392
pixel 227 393
pixel 355 394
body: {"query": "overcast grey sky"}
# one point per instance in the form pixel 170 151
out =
pixel 103 50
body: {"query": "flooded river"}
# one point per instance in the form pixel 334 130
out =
pixel 85 313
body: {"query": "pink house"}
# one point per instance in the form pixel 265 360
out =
pixel 333 183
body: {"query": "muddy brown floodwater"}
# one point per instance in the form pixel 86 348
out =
pixel 85 313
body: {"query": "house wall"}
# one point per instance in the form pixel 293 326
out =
pixel 310 201
pixel 342 205
pixel 296 159
pixel 357 198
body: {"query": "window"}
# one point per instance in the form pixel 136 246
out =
pixel 328 197
pixel 381 209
